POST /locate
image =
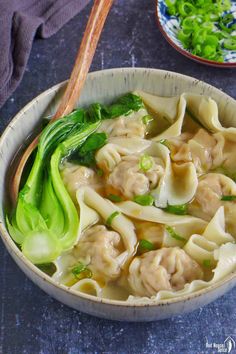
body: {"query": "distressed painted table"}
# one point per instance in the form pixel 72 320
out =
pixel 30 321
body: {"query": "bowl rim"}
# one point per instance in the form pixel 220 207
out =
pixel 185 52
pixel 13 249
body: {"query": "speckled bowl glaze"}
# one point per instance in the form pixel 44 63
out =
pixel 104 86
pixel 169 27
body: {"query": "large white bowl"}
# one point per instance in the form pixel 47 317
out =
pixel 104 86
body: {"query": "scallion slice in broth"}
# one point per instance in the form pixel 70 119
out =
pixel 228 197
pixel 145 246
pixel 176 209
pixel 111 217
pixel 174 235
pixel 80 271
pixel 144 200
pixel 145 163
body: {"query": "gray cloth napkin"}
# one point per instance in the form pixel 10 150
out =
pixel 20 22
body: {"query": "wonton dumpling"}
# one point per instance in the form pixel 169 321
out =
pixel 226 264
pixel 111 154
pixel 99 248
pixel 164 269
pixel 207 199
pixel 75 176
pixel 125 126
pixel 131 180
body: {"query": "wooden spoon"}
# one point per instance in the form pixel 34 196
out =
pixel 79 73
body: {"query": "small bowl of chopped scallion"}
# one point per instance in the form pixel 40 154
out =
pixel 203 30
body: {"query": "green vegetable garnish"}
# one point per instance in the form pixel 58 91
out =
pixel 124 106
pixel 111 217
pixel 144 199
pixel 147 119
pixel 205 29
pixel 115 198
pixel 165 142
pixel 207 263
pixel 80 271
pixel 145 246
pixel 228 197
pixel 176 209
pixel 174 235
pixel 45 221
pixel 86 154
pixel 230 43
pixel 145 163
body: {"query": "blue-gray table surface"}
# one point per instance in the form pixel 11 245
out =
pixel 32 322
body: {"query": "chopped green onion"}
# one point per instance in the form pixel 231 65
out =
pixel 230 43
pixel 203 25
pixel 147 119
pixel 111 217
pixel 145 246
pixel 80 271
pixel 174 235
pixel 165 142
pixel 228 197
pixel 144 199
pixel 207 263
pixel 145 162
pixel 115 198
pixel 176 209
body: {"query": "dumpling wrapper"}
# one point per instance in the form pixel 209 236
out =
pixel 88 286
pixel 202 247
pixel 184 225
pixel 203 108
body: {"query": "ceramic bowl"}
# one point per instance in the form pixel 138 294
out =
pixel 104 86
pixel 169 27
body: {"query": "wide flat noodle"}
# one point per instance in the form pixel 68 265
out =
pixel 88 286
pixel 120 223
pixel 215 230
pixel 87 215
pixel 184 224
pixel 202 247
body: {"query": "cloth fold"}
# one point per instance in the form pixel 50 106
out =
pixel 20 22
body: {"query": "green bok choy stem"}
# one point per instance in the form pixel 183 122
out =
pixel 45 221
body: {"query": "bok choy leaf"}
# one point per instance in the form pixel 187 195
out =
pixel 45 221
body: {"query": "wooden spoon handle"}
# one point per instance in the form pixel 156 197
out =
pixel 79 73
pixel 85 56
